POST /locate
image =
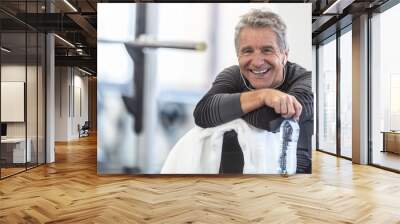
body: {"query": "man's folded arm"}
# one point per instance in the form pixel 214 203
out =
pixel 301 89
pixel 221 103
pixel 217 109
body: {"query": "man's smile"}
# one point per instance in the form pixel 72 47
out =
pixel 260 72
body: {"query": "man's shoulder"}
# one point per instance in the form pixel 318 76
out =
pixel 295 73
pixel 231 70
pixel 296 70
pixel 231 73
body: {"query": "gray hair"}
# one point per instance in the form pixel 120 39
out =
pixel 261 18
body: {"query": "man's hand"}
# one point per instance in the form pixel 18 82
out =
pixel 286 105
pixel 283 103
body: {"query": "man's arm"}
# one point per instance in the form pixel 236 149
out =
pixel 221 103
pixel 266 108
pixel 224 102
pixel 300 89
pixel 284 104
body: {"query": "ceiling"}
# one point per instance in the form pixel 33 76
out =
pixel 77 23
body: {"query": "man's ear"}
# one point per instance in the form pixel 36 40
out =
pixel 285 58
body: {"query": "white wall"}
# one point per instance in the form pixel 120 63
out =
pixel 71 87
pixel 80 101
pixel 190 68
pixel 12 73
pixel 33 125
pixel 61 103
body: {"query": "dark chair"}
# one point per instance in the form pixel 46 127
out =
pixel 84 130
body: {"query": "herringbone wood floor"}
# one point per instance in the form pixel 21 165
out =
pixel 70 191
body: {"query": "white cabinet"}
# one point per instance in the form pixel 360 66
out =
pixel 18 149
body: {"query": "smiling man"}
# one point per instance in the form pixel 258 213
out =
pixel 264 87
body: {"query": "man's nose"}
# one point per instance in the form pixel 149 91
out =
pixel 258 60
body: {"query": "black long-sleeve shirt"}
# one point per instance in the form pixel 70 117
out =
pixel 221 104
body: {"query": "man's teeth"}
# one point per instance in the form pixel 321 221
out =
pixel 260 72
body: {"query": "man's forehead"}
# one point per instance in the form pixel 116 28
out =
pixel 251 41
pixel 249 45
pixel 261 34
pixel 256 29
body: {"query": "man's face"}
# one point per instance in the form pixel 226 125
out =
pixel 259 56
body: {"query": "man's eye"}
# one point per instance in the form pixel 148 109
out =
pixel 267 50
pixel 247 51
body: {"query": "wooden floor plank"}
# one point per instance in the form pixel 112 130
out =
pixel 70 191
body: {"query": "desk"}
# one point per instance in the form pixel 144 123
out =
pixel 391 141
pixel 16 147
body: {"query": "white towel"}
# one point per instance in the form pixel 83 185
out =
pixel 199 150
